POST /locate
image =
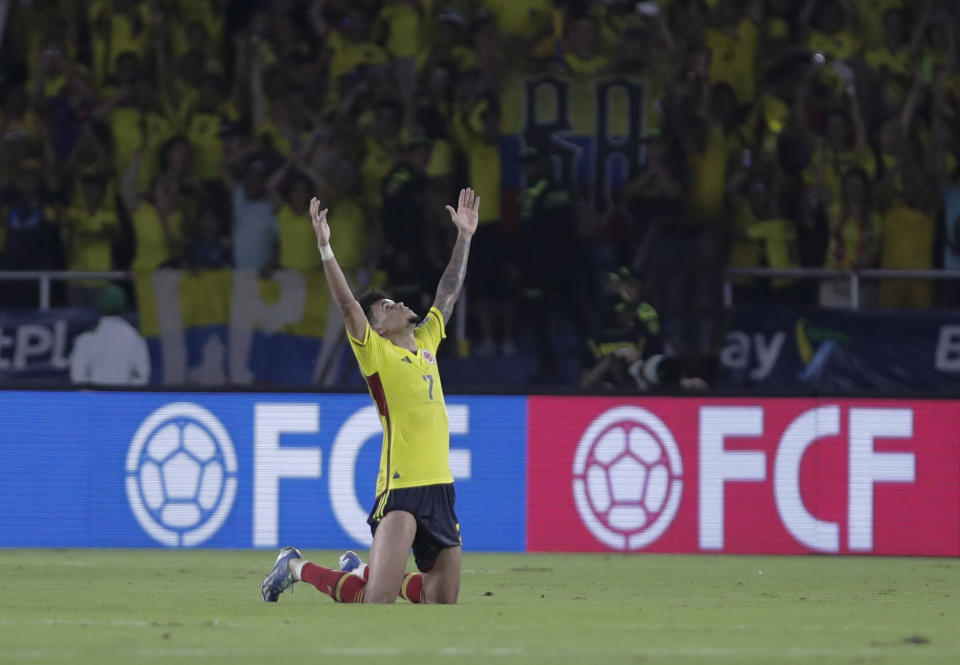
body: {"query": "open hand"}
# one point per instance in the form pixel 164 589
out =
pixel 467 213
pixel 319 219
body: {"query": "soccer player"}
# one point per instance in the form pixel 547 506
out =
pixel 415 499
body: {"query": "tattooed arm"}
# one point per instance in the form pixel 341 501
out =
pixel 465 218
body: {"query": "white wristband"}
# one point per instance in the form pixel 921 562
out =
pixel 325 252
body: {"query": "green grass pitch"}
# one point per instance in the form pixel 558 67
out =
pixel 134 606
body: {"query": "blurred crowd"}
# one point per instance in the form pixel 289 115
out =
pixel 139 134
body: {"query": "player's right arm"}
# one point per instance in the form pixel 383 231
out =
pixel 353 316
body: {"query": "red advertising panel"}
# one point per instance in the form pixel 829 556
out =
pixel 750 476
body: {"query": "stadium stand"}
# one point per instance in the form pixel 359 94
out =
pixel 146 135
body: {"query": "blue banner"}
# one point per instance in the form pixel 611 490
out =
pixel 91 469
pixel 35 346
pixel 883 351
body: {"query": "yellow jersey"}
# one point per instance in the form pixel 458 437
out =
pixel 871 18
pixel 778 239
pixel 297 240
pixel 203 130
pixel 406 388
pixel 527 19
pixel 351 224
pixel 152 245
pixel 132 130
pixel 733 58
pixel 91 248
pixel 592 66
pixel 405 26
pixel 705 199
pixel 908 238
pixel 853 242
pixel 898 62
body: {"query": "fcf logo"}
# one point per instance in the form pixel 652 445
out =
pixel 181 474
pixel 627 478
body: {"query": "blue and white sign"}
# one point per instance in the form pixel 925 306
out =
pixel 229 470
pixel 181 474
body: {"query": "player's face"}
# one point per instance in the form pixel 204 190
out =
pixel 393 317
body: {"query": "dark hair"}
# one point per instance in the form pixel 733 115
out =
pixel 296 176
pixel 127 55
pixel 859 173
pixel 168 147
pixel 392 105
pixel 368 299
pixel 895 11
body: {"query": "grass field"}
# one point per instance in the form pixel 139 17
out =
pixel 124 606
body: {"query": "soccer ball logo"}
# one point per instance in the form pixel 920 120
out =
pixel 181 474
pixel 627 478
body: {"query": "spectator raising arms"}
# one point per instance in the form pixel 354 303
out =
pixel 780 133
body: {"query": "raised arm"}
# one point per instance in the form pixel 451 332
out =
pixel 353 316
pixel 465 218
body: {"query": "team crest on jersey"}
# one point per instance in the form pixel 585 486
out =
pixel 429 357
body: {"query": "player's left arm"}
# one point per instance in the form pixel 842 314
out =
pixel 465 219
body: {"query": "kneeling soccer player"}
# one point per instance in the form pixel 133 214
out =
pixel 415 499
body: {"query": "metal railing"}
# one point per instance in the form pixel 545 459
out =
pixel 46 277
pixel 854 277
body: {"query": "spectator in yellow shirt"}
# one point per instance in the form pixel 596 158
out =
pixel 447 45
pixel 199 26
pixel 854 239
pixel 479 138
pixel 732 41
pixel 778 27
pixel 125 27
pixel 491 53
pixel 123 77
pixel 873 19
pixel 403 24
pixel 835 33
pixel 137 121
pixel 582 54
pixel 523 21
pixel 194 37
pixel 51 75
pixel 381 147
pixel 94 228
pixel 361 237
pixel 19 124
pixel 893 55
pixel 158 226
pixel 296 247
pixel 940 38
pixel 291 187
pixel 432 123
pixel 908 234
pixel 204 126
pixel 845 143
pixel 712 142
pixel 763 237
pixel 352 48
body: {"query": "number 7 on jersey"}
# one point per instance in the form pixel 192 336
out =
pixel 429 379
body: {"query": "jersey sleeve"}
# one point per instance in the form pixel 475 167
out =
pixel 369 350
pixel 431 331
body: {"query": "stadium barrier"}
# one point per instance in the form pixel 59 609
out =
pixel 44 279
pixel 537 473
pixel 766 350
pixel 854 277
